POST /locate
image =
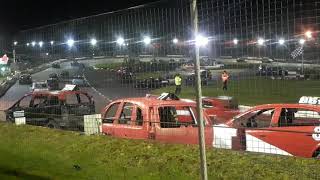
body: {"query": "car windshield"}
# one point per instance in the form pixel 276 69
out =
pixel 42 85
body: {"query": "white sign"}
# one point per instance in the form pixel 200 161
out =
pixel 92 124
pixel 309 100
pixel 69 87
pixel 316 134
pixel 18 114
pixel 20 121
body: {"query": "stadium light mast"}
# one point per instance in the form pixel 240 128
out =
pixel 302 42
pixel 202 148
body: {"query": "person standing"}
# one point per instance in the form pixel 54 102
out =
pixel 225 78
pixel 177 81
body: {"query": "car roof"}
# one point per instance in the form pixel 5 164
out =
pixel 55 93
pixel 151 101
pixel 302 106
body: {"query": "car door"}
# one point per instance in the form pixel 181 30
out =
pixel 246 132
pixel 297 132
pixel 131 122
pixel 23 105
pixel 37 114
pixel 109 118
pixel 177 124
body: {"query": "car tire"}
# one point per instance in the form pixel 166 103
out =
pixel 52 124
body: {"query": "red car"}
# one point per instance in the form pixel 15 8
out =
pixel 220 109
pixel 286 129
pixel 164 119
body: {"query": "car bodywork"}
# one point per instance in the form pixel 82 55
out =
pixel 220 109
pixel 39 86
pixel 79 81
pixel 55 109
pixel 285 129
pixel 25 79
pixel 171 121
pixel 53 84
pixel 56 65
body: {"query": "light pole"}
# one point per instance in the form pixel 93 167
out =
pixel 202 148
pixel 93 43
pixel 14 51
pixel 51 43
pixel 302 42
pixel 70 43
pixel 260 44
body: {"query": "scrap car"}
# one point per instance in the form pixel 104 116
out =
pixel 54 109
pixel 220 109
pixel 284 129
pixel 165 118
pixel 25 79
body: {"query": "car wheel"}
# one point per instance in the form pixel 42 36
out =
pixel 316 154
pixel 52 124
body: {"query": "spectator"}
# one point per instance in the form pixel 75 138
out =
pixel 177 81
pixel 225 78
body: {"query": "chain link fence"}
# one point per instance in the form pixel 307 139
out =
pixel 120 64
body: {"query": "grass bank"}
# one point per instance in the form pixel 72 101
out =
pixel 39 153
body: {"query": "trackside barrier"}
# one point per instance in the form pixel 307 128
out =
pixel 92 124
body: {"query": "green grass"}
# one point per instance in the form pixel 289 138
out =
pixel 114 65
pixel 147 75
pixel 257 90
pixel 39 153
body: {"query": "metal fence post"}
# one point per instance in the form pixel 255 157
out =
pixel 194 16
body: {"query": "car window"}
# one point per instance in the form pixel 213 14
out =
pixel 53 100
pixel 72 99
pixel 40 101
pixel 207 104
pixel 139 118
pixel 84 98
pixel 173 117
pixel 255 119
pixel 125 117
pixel 25 102
pixel 298 117
pixel 111 113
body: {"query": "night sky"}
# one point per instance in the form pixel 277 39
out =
pixel 18 15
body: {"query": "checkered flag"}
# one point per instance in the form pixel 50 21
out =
pixel 297 52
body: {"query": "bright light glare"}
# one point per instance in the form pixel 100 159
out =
pixel 40 43
pixel 28 44
pixel 201 41
pixel 47 54
pixel 70 42
pixel 93 42
pixel 175 40
pixel 15 43
pixel 235 41
pixel 51 42
pixel 33 43
pixel 120 41
pixel 261 41
pixel 147 40
pixel 302 41
pixel 281 41
pixel 308 34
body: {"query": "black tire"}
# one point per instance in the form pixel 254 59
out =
pixel 316 154
pixel 52 124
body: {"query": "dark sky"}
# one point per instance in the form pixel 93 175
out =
pixel 24 14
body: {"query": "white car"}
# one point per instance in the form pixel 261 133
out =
pixel 39 86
